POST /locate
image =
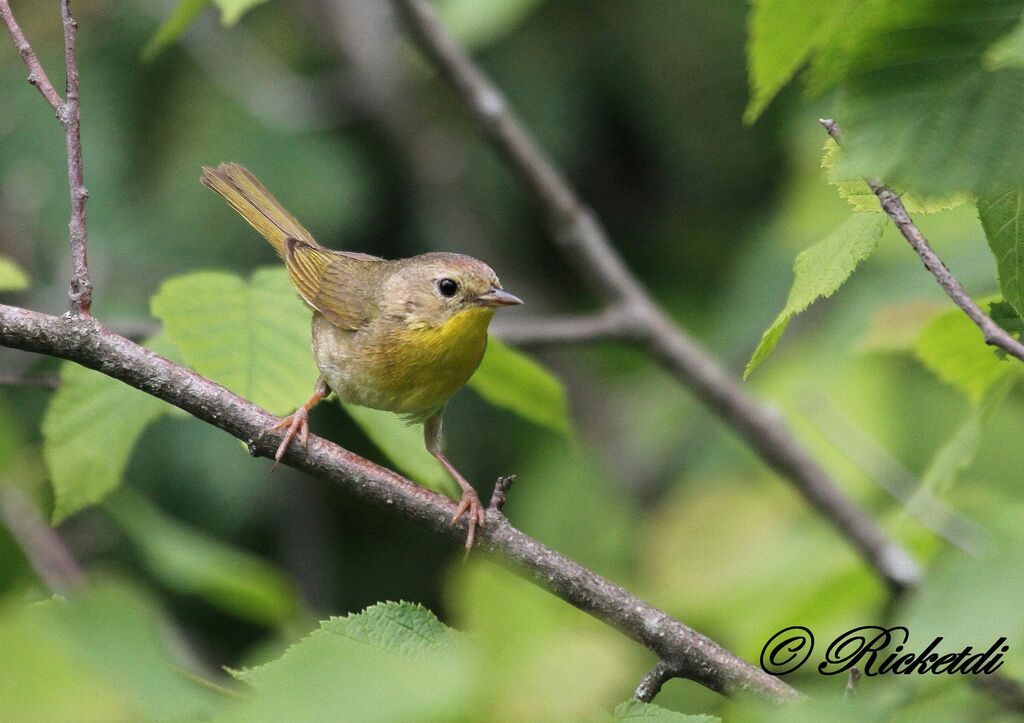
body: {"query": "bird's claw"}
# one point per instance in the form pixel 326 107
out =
pixel 470 506
pixel 298 424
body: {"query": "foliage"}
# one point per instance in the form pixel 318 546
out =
pixel 1001 219
pixel 197 559
pixel 819 272
pixel 951 346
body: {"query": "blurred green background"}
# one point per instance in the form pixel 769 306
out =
pixel 641 104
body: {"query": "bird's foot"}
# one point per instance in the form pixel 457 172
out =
pixel 297 423
pixel 470 506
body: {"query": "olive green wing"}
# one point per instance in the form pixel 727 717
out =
pixel 338 284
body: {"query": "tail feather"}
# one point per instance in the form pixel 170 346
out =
pixel 256 205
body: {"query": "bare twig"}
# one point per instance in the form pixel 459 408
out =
pixel 650 684
pixel 612 323
pixel 501 488
pixel 43 548
pixel 690 654
pixel 36 75
pixel 586 244
pixel 80 291
pixel 993 334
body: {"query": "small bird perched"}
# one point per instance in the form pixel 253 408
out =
pixel 402 336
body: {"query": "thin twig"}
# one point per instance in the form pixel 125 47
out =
pixel 80 291
pixel 501 488
pixel 586 244
pixel 614 323
pixel 993 334
pixel 650 684
pixel 80 288
pixel 43 548
pixel 36 75
pixel 690 654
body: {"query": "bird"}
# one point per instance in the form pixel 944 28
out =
pixel 399 335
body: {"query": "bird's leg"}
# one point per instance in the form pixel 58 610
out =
pixel 297 422
pixel 469 504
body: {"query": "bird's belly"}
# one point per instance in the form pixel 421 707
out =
pixel 408 372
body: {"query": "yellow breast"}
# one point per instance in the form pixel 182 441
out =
pixel 418 369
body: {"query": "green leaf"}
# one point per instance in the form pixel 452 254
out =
pixel 959 450
pixel 1008 51
pixel 353 664
pixel 635 710
pixel 12 278
pixel 194 563
pixel 181 18
pixel 251 336
pixel 860 196
pixel 231 11
pixel 511 380
pixel 920 109
pixel 1001 217
pixel 952 347
pixel 819 271
pixel 403 444
pixel 476 24
pixel 781 36
pixel 1008 318
pixel 89 430
pixel 103 655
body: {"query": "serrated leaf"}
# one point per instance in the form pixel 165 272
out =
pixel 1002 217
pixel 183 15
pixel 191 562
pixel 1008 318
pixel 819 271
pixel 638 710
pixel 231 11
pixel 921 111
pixel 403 444
pixel 89 431
pixel 251 336
pixel 781 35
pixel 102 655
pixel 952 347
pixel 860 196
pixel 351 664
pixel 1008 51
pixel 12 278
pixel 511 380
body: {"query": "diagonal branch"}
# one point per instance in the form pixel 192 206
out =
pixel 690 654
pixel 994 334
pixel 586 244
pixel 80 289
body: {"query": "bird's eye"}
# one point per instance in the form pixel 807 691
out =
pixel 447 287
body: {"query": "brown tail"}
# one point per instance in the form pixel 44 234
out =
pixel 255 204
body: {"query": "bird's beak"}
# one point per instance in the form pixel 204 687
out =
pixel 498 297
